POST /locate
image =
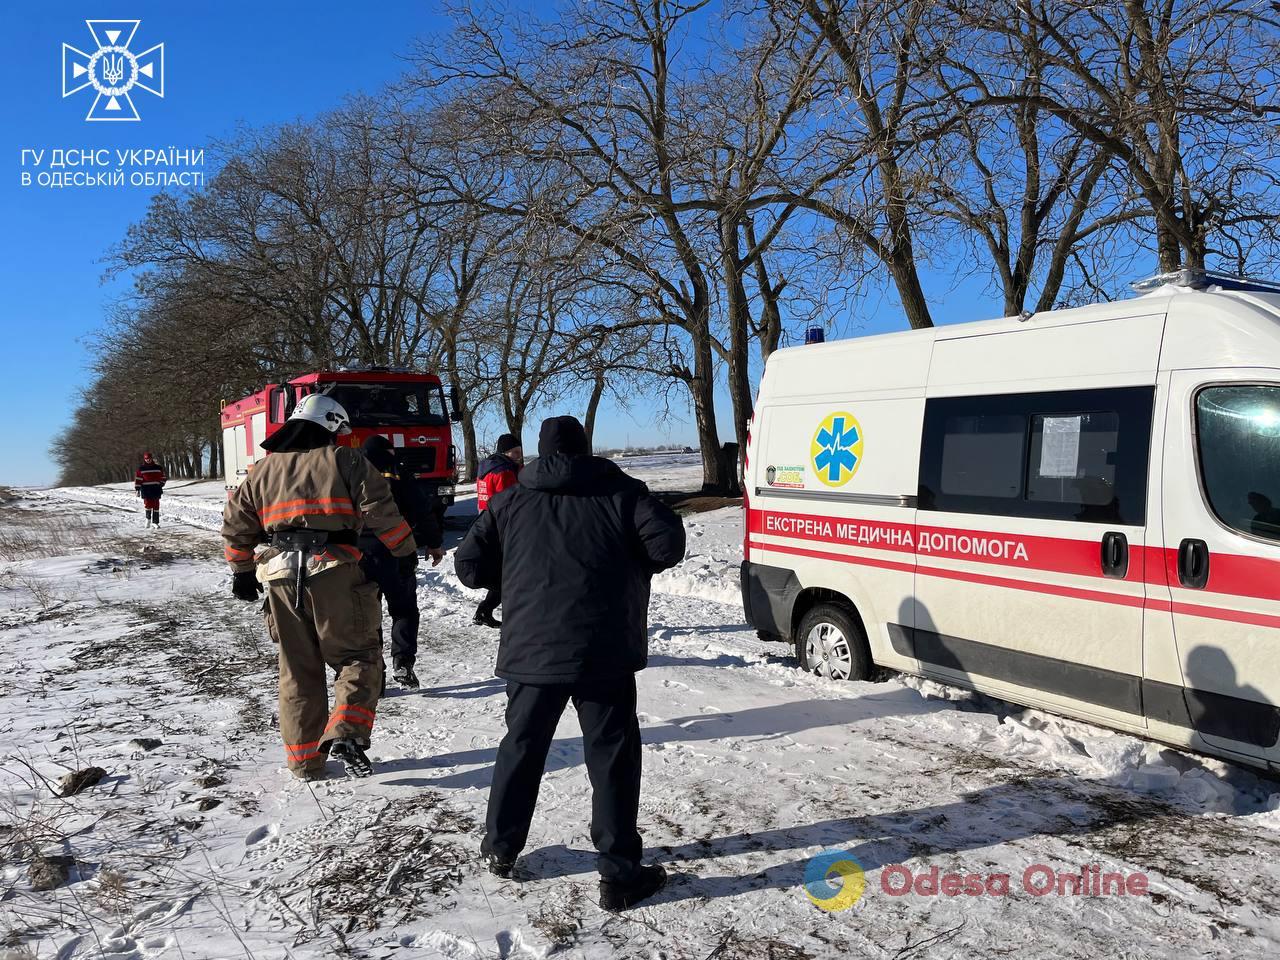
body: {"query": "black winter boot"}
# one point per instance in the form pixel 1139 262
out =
pixel 402 673
pixel 615 895
pixel 352 756
pixel 499 867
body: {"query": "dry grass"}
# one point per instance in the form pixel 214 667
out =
pixel 735 946
pixel 112 891
pixel 407 856
pixel 32 529
pixel 41 590
pixel 560 922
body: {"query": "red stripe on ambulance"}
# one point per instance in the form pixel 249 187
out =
pixel 1229 574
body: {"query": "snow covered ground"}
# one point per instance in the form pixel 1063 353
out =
pixel 123 649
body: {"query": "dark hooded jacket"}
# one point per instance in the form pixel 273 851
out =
pixel 573 546
pixel 414 505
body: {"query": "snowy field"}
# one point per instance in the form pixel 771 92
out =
pixel 123 649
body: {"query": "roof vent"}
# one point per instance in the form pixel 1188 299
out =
pixel 1195 279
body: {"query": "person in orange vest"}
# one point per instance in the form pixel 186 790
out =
pixel 496 474
pixel 149 483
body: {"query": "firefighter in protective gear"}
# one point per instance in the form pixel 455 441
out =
pixel 149 482
pixel 308 501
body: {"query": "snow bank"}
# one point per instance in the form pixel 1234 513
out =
pixel 197 503
pixel 713 556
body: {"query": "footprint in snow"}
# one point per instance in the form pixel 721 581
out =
pixel 511 944
pixel 258 834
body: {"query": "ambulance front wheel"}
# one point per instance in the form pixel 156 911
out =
pixel 831 643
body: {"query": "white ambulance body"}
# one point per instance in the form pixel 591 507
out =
pixel 1079 511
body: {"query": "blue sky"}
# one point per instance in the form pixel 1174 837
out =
pixel 226 64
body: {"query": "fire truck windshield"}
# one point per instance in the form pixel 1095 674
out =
pixel 379 404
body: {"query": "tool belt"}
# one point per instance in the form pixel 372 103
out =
pixel 306 542
pixel 302 538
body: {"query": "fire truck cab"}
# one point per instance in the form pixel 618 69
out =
pixel 406 407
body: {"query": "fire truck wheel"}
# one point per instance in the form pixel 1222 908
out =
pixel 831 643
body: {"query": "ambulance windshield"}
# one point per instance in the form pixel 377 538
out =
pixel 387 404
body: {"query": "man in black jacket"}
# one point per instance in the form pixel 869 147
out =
pixel 573 546
pixel 397 577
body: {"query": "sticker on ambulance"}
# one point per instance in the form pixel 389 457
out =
pixel 836 450
pixel 789 476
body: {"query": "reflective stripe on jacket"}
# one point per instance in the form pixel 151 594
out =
pixel 330 488
pixel 150 479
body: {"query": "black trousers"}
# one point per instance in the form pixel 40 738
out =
pixel 492 600
pixel 401 594
pixel 611 748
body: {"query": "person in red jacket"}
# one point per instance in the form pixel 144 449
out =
pixel 494 475
pixel 149 482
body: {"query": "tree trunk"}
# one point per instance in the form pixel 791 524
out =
pixel 593 406
pixel 470 459
pixel 215 456
pixel 738 310
pixel 702 387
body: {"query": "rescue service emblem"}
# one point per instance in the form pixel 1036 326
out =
pixel 836 450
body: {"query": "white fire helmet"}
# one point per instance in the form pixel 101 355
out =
pixel 327 412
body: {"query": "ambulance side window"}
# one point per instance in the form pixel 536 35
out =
pixel 982 456
pixel 1073 461
pixel 1238 434
pixel 1065 455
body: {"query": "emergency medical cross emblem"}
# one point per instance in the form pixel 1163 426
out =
pixel 113 70
pixel 836 449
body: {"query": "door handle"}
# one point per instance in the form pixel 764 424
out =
pixel 1193 563
pixel 1115 555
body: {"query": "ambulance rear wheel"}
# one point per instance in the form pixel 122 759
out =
pixel 831 643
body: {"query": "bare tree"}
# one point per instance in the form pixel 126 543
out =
pixel 1180 93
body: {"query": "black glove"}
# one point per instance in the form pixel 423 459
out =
pixel 245 585
pixel 408 564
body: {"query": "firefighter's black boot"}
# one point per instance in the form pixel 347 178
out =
pixel 352 756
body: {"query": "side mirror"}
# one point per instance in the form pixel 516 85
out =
pixel 455 404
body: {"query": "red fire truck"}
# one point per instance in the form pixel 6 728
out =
pixel 407 408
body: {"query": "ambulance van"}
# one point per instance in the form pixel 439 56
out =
pixel 1076 510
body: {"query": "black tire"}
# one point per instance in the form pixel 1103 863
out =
pixel 831 643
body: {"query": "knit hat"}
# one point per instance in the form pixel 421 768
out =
pixel 563 435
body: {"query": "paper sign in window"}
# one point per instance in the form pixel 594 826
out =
pixel 1060 446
